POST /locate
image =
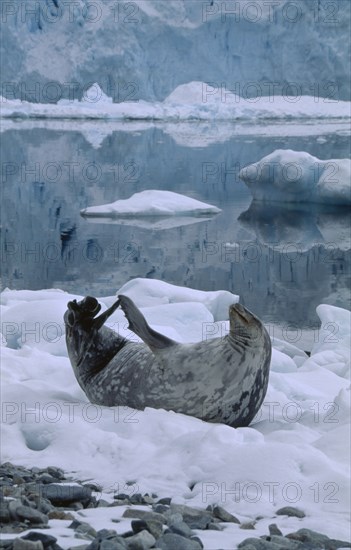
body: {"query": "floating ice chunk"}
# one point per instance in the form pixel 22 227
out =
pixel 297 176
pixel 153 203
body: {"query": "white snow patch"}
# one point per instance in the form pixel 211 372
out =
pixel 294 453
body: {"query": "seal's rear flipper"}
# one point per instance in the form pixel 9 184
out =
pixel 138 324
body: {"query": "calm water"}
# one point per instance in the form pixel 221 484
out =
pixel 282 262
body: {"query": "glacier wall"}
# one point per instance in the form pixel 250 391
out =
pixel 144 49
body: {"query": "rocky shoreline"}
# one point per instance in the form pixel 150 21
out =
pixel 30 498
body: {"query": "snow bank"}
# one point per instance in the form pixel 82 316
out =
pixel 152 203
pixel 192 101
pixel 296 176
pixel 294 453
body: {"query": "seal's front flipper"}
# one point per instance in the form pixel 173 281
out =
pixel 138 324
pixel 99 321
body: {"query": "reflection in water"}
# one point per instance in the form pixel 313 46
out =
pixel 280 225
pixel 157 223
pixel 50 175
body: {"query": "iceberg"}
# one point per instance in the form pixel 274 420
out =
pixel 152 203
pixel 194 100
pixel 297 176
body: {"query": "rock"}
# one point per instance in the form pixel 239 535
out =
pixel 18 480
pixel 148 500
pixel 142 541
pixel 119 503
pixel 193 517
pixel 47 540
pixel 214 527
pixel 75 506
pixel 6 543
pixel 339 544
pixel 248 525
pixel 172 541
pixel 291 512
pixel 116 543
pixel 56 472
pixel 12 508
pixel 94 487
pixel 317 539
pixel 16 528
pixel 106 533
pixel 46 478
pixel 63 495
pixel 143 514
pixel 160 508
pixel 222 514
pixel 60 514
pixel 4 512
pixel 21 544
pixel 167 501
pixel 274 529
pixel 285 543
pixel 31 515
pixel 121 496
pixel 80 547
pixel 258 544
pixel 154 527
pixel 103 503
pixel 84 530
pixel 137 499
pixel 177 525
pixel 45 506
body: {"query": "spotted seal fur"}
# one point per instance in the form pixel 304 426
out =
pixel 219 380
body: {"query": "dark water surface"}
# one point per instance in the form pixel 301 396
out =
pixel 282 262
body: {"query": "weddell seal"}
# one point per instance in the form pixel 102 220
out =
pixel 218 380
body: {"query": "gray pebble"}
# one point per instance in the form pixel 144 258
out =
pixel 291 512
pixel 142 541
pixel 47 540
pixel 222 514
pixel 31 515
pixel 143 514
pixel 171 541
pixel 84 530
pixel 274 529
pixel 154 527
pixel 21 544
pixel 116 543
pixel 259 544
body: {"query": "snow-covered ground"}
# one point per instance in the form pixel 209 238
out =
pixel 295 452
pixel 191 101
pixel 297 176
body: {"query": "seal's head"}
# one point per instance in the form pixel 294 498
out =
pixel 83 311
pixel 244 324
pixel 79 321
pixel 85 337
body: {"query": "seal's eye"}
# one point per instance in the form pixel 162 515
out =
pixel 90 304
